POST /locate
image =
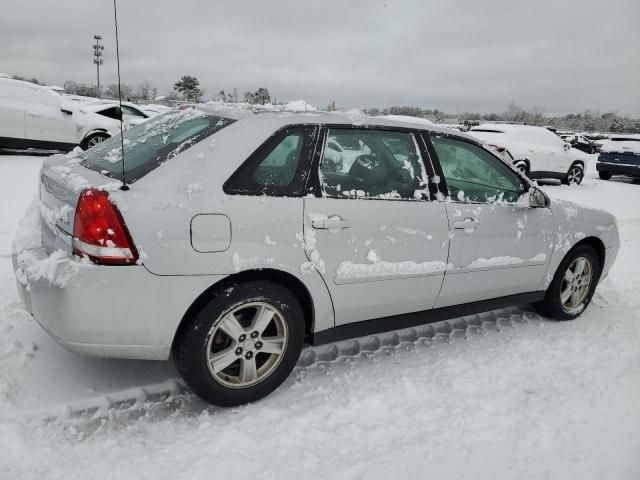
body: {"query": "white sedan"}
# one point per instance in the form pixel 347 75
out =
pixel 537 152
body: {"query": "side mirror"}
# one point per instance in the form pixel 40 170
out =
pixel 567 146
pixel 537 198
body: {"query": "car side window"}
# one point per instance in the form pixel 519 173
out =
pixel 126 110
pixel 279 167
pixel 370 163
pixel 475 175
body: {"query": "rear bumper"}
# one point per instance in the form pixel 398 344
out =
pixel 119 312
pixel 622 169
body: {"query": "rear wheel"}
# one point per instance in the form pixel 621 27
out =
pixel 573 285
pixel 604 175
pixel 242 345
pixel 93 140
pixel 574 175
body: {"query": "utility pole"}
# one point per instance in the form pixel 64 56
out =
pixel 97 58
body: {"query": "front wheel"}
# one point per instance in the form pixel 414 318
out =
pixel 573 285
pixel 93 140
pixel 242 345
pixel 575 175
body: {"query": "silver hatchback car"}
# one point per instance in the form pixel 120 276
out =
pixel 239 237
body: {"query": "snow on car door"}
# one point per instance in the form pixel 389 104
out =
pixel 499 246
pixel 380 245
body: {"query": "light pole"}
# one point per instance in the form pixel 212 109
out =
pixel 97 58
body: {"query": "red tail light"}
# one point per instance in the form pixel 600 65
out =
pixel 99 232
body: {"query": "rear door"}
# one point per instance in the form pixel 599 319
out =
pixel 371 230
pixel 499 245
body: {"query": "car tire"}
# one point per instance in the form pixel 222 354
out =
pixel 570 279
pixel 522 167
pixel 221 353
pixel 94 139
pixel 604 175
pixel 575 175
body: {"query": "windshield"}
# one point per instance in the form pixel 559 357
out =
pixel 148 145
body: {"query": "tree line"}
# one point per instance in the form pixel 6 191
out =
pixel 588 120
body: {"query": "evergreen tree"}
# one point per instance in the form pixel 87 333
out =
pixel 189 87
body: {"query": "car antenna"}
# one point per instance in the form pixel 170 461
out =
pixel 124 185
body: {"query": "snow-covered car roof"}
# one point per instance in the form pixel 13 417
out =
pixel 283 118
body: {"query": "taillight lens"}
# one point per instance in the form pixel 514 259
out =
pixel 99 232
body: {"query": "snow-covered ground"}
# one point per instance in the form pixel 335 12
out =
pixel 506 395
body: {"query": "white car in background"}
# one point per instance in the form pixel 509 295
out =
pixel 36 117
pixel 100 119
pixel 536 151
pixel 154 109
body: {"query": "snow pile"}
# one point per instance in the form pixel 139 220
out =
pixel 378 269
pixel 33 262
pixel 505 260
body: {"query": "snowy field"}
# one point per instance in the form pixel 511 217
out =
pixel 503 395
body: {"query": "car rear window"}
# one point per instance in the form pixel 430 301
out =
pixel 150 144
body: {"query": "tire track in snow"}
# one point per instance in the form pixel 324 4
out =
pixel 172 397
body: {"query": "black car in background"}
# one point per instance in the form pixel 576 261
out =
pixel 620 155
pixel 580 142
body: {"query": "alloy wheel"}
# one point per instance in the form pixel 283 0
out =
pixel 575 175
pixel 576 283
pixel 95 140
pixel 246 344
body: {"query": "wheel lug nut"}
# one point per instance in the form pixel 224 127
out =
pixel 258 345
pixel 242 338
pixel 239 351
pixel 254 334
pixel 248 355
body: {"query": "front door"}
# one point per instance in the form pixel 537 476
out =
pixel 373 234
pixel 499 245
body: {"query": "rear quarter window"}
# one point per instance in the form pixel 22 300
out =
pixel 152 143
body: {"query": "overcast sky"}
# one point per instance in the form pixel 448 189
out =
pixel 477 55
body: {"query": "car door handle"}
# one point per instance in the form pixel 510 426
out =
pixel 467 223
pixel 331 223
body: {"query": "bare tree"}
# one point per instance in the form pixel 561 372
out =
pixel 144 90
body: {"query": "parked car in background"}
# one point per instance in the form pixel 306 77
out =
pixel 36 117
pixel 598 139
pixel 32 116
pixel 580 142
pixel 536 151
pixel 619 155
pixel 230 258
pixel 131 112
pixel 153 109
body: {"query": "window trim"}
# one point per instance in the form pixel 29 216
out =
pixel 526 186
pixel 244 173
pixel 315 185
